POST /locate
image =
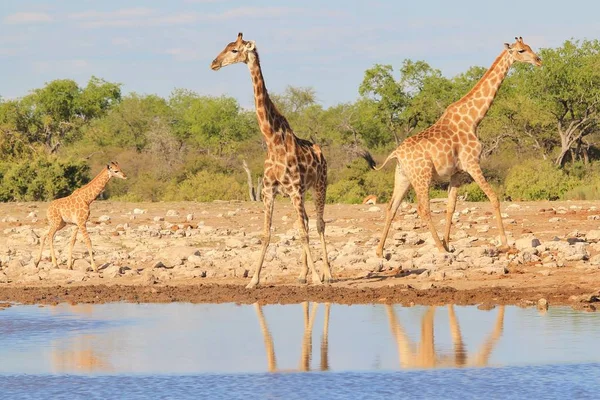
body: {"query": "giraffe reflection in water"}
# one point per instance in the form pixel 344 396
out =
pixel 306 352
pixel 424 355
pixel 81 353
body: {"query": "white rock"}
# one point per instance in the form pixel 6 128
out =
pixel 593 235
pixel 234 243
pixel 104 218
pixel 172 213
pixel 374 209
pixel 138 211
pixel 491 270
pixel 527 243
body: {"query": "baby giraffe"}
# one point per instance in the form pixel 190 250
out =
pixel 75 209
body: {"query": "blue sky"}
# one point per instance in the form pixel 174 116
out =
pixel 155 46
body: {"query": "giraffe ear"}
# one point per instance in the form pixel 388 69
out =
pixel 250 45
pixel 107 166
pixel 507 46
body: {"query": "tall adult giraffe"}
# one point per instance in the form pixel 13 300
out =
pixel 450 146
pixel 292 166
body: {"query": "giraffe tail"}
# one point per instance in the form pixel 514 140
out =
pixel 372 164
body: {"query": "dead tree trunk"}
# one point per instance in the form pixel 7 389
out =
pixel 251 190
pixel 259 189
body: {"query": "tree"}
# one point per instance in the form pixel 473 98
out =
pixel 566 93
pixel 415 101
pixel 214 124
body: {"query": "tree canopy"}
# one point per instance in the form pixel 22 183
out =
pixel 543 123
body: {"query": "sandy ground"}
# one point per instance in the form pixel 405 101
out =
pixel 205 252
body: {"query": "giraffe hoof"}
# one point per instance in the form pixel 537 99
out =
pixel 302 281
pixel 251 285
pixel 328 281
pixel 507 249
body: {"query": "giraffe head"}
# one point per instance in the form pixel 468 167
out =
pixel 520 51
pixel 115 170
pixel 234 52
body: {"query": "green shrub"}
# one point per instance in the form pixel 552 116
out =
pixel 206 186
pixel 345 191
pixel 473 192
pixel 41 178
pixel 537 180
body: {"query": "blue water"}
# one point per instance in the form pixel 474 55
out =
pixel 206 351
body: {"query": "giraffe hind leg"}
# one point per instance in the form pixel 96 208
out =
pixel 422 190
pixel 298 202
pixel 401 186
pixel 320 197
pixel 51 233
pixel 452 195
pixel 71 244
pixel 42 242
pixel 88 242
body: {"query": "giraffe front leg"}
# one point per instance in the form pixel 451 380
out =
pixel 71 244
pixel 304 270
pixel 268 200
pixel 302 223
pixel 475 171
pixel 88 243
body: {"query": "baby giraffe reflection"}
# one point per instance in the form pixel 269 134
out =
pixel 424 355
pixel 305 356
pixel 80 353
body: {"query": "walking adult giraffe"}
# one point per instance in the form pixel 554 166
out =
pixel 450 146
pixel 292 166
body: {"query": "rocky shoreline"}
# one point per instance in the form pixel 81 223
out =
pixel 206 245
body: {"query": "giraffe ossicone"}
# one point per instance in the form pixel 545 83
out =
pixel 292 167
pixel 450 146
pixel 75 210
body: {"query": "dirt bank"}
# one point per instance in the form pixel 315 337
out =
pixel 195 252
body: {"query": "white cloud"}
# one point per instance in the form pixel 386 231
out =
pixel 62 66
pixel 121 41
pixel 137 17
pixel 27 18
pixel 203 1
pixel 122 13
pixel 183 54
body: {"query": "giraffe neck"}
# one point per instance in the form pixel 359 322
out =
pixel 272 124
pixel 90 191
pixel 480 98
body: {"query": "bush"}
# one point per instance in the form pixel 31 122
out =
pixel 345 191
pixel 42 178
pixel 473 192
pixel 206 186
pixel 537 180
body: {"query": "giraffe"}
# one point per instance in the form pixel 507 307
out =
pixel 425 356
pixel 450 146
pixel 75 209
pixel 293 165
pixel 305 355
